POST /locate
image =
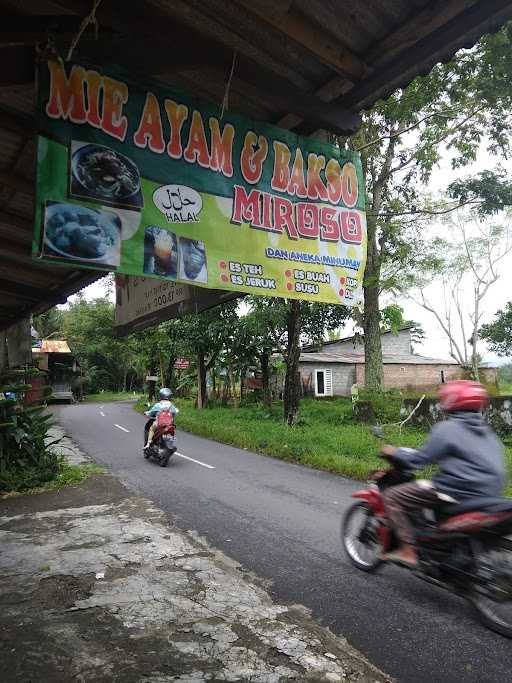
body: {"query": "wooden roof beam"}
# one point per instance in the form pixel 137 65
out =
pixel 420 24
pixel 17 65
pixel 313 39
pixel 15 122
pixel 12 248
pixel 17 182
pixel 29 29
pixel 24 292
pixel 31 277
pixel 462 30
pixel 14 220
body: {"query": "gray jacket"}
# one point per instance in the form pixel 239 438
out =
pixel 469 456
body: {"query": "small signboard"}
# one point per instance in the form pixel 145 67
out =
pixel 152 378
pixel 145 302
pixel 181 363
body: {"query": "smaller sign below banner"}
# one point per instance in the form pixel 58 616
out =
pixel 152 378
pixel 181 363
pixel 143 302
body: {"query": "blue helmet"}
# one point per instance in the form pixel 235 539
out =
pixel 165 393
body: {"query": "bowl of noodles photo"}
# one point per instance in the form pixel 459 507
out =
pixel 81 233
pixel 98 171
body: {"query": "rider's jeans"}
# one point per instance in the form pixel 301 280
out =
pixel 401 501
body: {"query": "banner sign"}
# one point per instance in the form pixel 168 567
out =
pixel 142 302
pixel 181 363
pixel 146 181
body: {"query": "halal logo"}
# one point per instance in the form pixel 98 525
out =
pixel 178 203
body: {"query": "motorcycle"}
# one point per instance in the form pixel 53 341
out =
pixel 462 547
pixel 163 445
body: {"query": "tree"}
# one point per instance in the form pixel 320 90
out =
pixel 498 333
pixel 471 256
pixel 157 350
pixel 89 328
pixel 205 335
pixel 282 326
pixel 457 105
pixel 49 324
pixel 505 373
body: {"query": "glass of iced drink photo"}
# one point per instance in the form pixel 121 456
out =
pixel 163 251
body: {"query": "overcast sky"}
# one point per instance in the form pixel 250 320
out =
pixel 436 344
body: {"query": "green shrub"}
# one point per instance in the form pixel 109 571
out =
pixel 27 459
pixel 379 406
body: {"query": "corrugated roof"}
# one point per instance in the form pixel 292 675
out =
pixel 53 346
pixel 357 358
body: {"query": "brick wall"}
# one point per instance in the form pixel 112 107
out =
pixel 413 377
pixel 423 377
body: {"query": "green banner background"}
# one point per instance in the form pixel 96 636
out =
pixel 127 232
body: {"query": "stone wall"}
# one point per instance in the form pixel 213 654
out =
pixel 499 414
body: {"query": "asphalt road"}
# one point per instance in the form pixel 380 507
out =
pixel 282 521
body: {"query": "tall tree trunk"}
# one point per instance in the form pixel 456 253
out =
pixel 475 370
pixel 292 378
pixel 4 365
pixel 201 381
pixel 374 373
pixel 373 370
pixel 243 376
pixel 265 378
pixel 162 369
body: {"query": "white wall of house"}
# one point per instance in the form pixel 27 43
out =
pixel 341 376
pixel 399 344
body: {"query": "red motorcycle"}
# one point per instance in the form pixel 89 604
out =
pixel 462 547
pixel 163 444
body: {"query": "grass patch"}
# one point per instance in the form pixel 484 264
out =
pixel 326 438
pixel 107 396
pixel 505 389
pixel 68 475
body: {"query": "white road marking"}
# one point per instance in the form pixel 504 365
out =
pixel 122 428
pixel 102 413
pixel 198 462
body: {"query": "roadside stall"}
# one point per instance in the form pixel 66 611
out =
pixel 54 357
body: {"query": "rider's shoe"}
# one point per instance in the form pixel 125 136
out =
pixel 405 556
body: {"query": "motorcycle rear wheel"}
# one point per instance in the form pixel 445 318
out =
pixel 496 613
pixel 164 461
pixel 359 537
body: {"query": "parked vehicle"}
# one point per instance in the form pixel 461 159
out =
pixel 465 548
pixel 163 445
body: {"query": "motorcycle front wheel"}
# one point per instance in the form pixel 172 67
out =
pixel 359 536
pixel 493 601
